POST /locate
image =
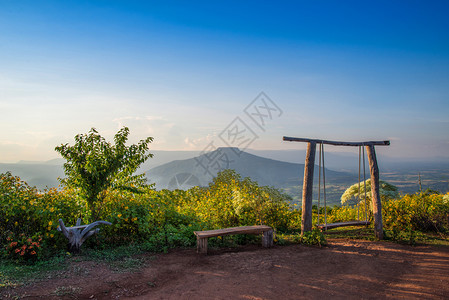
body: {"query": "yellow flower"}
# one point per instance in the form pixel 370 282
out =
pixel 50 223
pixel 23 207
pixel 52 209
pixel 119 215
pixel 126 207
pixel 51 235
pixel 135 219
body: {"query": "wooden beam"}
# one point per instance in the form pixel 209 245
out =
pixel 375 195
pixel 343 224
pixel 336 143
pixel 307 188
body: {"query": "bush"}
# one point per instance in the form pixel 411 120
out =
pixel 230 201
pixel 421 212
pixel 346 213
pixel 23 248
pixel 314 237
pixel 28 213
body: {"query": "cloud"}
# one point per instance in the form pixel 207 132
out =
pixel 200 142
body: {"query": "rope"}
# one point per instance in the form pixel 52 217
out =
pixel 364 185
pixel 360 198
pixel 319 187
pixel 324 189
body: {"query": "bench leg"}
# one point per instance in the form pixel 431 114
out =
pixel 201 245
pixel 267 239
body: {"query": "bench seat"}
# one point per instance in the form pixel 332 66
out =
pixel 343 224
pixel 202 236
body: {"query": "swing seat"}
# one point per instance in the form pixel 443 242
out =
pixel 343 224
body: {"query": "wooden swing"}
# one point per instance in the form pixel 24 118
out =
pixel 357 222
pixel 307 190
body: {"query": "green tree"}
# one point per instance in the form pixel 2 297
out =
pixel 386 191
pixel 94 165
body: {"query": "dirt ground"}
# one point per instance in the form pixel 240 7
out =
pixel 345 269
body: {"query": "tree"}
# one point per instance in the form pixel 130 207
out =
pixel 95 165
pixel 386 191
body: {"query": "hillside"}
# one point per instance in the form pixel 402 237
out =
pixel 279 168
pixel 39 174
pixel 200 170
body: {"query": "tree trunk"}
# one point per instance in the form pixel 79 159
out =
pixel 375 195
pixel 307 189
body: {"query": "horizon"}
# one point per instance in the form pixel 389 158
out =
pixel 418 160
pixel 194 75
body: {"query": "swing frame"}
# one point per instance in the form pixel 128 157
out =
pixel 326 226
pixel 307 191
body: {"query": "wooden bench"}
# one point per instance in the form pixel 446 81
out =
pixel 202 236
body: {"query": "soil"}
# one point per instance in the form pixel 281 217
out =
pixel 345 269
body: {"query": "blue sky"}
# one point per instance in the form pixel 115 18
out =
pixel 183 71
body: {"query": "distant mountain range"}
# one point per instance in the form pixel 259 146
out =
pixel 282 169
pixel 38 174
pixel 203 168
pixel 200 170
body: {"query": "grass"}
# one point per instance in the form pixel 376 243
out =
pixel 367 233
pixel 112 254
pixel 69 291
pixel 352 232
pixel 13 274
pixel 128 264
pixel 120 259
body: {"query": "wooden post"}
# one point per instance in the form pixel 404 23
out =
pixel 375 195
pixel 201 245
pixel 267 239
pixel 307 188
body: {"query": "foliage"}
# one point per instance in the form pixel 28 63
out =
pixel 152 220
pixel 386 191
pixel 405 218
pixel 348 213
pixel 27 213
pixel 408 236
pixel 23 248
pixel 94 165
pixel 419 212
pixel 230 201
pixel 130 214
pixel 314 237
pixel 16 201
pixel 13 274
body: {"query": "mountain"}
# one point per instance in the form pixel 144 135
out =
pixel 39 174
pixel 44 174
pixel 280 168
pixel 200 171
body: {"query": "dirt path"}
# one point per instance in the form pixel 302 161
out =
pixel 343 270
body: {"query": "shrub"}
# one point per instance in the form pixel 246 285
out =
pixel 314 237
pixel 422 211
pixel 23 248
pixel 27 212
pixel 346 213
pixel 230 201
